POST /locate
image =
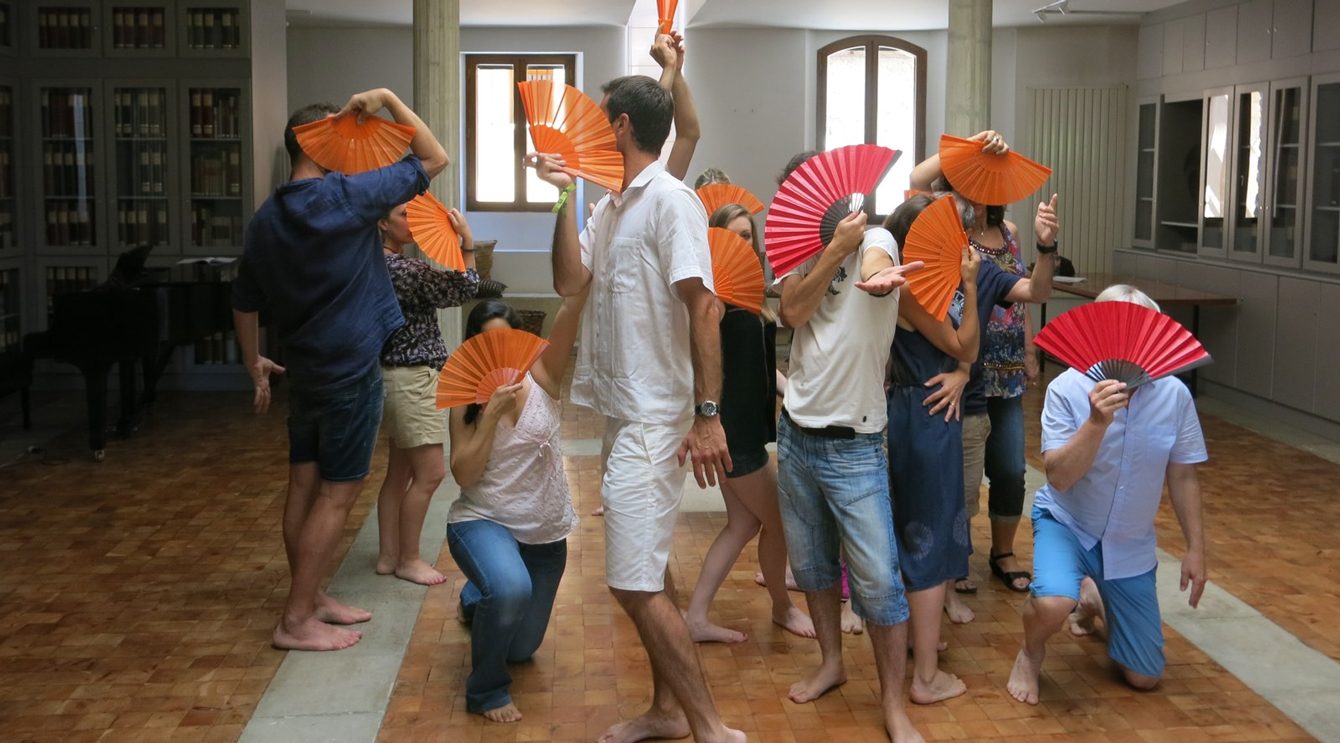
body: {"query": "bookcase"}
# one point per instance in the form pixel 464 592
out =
pixel 134 123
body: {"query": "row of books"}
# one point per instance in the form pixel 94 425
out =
pixel 213 28
pixel 142 223
pixel 6 173
pixel 67 112
pixel 6 228
pixel 70 223
pixel 138 28
pixel 9 293
pixel 211 229
pixel 219 348
pixel 140 168
pixel 215 113
pixel 140 113
pixel 6 112
pixel 67 280
pixel 217 173
pixel 67 170
pixel 10 336
pixel 65 28
pixel 4 27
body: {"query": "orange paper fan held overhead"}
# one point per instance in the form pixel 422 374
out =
pixel 936 238
pixel 346 146
pixel 737 274
pixel 564 121
pixel 430 226
pixel 666 10
pixel 486 362
pixel 994 180
pixel 818 195
pixel 1122 341
pixel 717 195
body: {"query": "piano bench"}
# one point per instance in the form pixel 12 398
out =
pixel 16 375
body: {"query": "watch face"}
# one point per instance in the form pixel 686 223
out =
pixel 708 409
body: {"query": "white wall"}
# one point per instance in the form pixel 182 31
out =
pixel 327 65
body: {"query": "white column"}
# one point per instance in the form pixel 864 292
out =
pixel 968 74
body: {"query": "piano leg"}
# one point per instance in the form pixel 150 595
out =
pixel 127 422
pixel 95 387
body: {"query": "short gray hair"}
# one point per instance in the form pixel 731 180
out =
pixel 1127 293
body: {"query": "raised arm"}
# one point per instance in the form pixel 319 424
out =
pixel 706 442
pixel 472 443
pixel 668 51
pixel 570 276
pixel 424 145
pixel 928 171
pixel 1037 288
pixel 801 294
pixel 1067 464
pixel 1184 490
pixel 562 336
pixel 963 342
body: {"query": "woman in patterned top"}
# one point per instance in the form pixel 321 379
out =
pixel 411 360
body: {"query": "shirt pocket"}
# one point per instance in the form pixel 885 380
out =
pixel 625 258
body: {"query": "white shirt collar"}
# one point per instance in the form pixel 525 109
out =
pixel 639 181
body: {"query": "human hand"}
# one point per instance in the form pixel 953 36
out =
pixel 995 144
pixel 886 280
pixel 950 394
pixel 665 50
pixel 1045 226
pixel 503 401
pixel 1193 574
pixel 969 262
pixel 365 104
pixel 1105 399
pixel 706 444
pixel 260 379
pixel 462 228
pixel 849 234
pixel 679 49
pixel 550 169
pixel 1031 370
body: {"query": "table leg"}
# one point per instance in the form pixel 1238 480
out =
pixel 1042 357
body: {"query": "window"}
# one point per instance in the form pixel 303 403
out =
pixel 496 135
pixel 872 90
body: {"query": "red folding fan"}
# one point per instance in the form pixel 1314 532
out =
pixel 937 239
pixel 486 362
pixel 820 193
pixel 1123 341
pixel 431 228
pixel 346 146
pixel 564 121
pixel 994 180
pixel 717 195
pixel 737 274
pixel 666 10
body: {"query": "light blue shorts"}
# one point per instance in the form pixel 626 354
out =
pixel 1134 626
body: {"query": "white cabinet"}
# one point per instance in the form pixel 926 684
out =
pixel 1173 32
pixel 1221 38
pixel 1149 63
pixel 1326 26
pixel 1296 343
pixel 1254 24
pixel 1193 43
pixel 1291 28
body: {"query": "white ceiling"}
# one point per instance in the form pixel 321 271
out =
pixel 816 14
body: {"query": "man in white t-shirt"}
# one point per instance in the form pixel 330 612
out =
pixel 833 478
pixel 650 361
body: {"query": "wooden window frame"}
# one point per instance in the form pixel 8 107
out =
pixel 872 44
pixel 519 62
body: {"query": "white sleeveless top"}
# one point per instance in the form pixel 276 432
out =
pixel 523 486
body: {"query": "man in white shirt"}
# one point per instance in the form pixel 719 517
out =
pixel 1107 453
pixel 650 361
pixel 833 478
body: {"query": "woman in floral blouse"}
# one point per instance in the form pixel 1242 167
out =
pixel 411 360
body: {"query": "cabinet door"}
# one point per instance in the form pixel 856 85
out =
pixel 9 163
pixel 1215 193
pixel 1296 343
pixel 1291 28
pixel 1284 198
pixel 135 28
pixel 8 43
pixel 1250 116
pixel 1254 24
pixel 1322 227
pixel 1146 157
pixel 1173 34
pixel 61 28
pixel 214 28
pixel 67 120
pixel 1326 26
pixel 1221 38
pixel 1193 43
pixel 1150 61
pixel 217 169
pixel 142 168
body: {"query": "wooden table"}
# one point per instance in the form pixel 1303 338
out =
pixel 1167 295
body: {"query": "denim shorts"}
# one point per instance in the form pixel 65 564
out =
pixel 747 462
pixel 337 429
pixel 834 496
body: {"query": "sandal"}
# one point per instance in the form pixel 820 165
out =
pixel 968 590
pixel 1008 578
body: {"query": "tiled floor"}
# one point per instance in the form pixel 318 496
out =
pixel 138 598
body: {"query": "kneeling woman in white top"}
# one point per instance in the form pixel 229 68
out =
pixel 508 531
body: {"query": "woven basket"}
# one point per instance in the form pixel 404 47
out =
pixel 484 257
pixel 532 321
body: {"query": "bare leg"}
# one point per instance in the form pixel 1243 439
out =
pixel 958 612
pixel 759 495
pixel 1083 621
pixel 428 468
pixel 851 624
pixel 388 509
pixel 1002 541
pixel 890 662
pixel 790 579
pixel 929 683
pixel 831 673
pixel 303 486
pixel 1042 618
pixel 741 526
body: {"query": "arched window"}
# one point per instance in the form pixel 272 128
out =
pixel 872 90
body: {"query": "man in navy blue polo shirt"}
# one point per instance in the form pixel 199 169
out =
pixel 313 257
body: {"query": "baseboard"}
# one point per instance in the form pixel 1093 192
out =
pixel 1271 410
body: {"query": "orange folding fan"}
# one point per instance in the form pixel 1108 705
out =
pixel 666 10
pixel 717 195
pixel 564 121
pixel 994 180
pixel 486 362
pixel 820 193
pixel 936 238
pixel 737 274
pixel 346 146
pixel 431 228
pixel 1122 341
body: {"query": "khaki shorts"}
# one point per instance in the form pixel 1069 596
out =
pixel 976 429
pixel 642 488
pixel 411 417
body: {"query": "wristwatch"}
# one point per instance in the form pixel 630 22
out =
pixel 707 409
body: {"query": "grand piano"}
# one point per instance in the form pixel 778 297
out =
pixel 133 322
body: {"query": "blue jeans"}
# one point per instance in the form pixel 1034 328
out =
pixel 1005 458
pixel 508 600
pixel 834 495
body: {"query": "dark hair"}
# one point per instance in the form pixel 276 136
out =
pixel 489 309
pixel 795 162
pixel 649 106
pixel 900 221
pixel 995 213
pixel 305 115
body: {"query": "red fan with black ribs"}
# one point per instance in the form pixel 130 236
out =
pixel 1122 341
pixel 665 9
pixel 486 362
pixel 937 239
pixel 823 191
pixel 737 274
pixel 994 180
pixel 430 226
pixel 564 121
pixel 346 146
pixel 717 195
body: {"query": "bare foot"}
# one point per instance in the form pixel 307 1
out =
pixel 943 686
pixel 1084 619
pixel 314 634
pixel 422 573
pixel 958 612
pixel 940 648
pixel 790 580
pixel 818 683
pixel 900 727
pixel 795 621
pixel 386 564
pixel 707 632
pixel 1023 683
pixel 330 611
pixel 851 624
pixel 599 511
pixel 648 726
pixel 506 713
pixel 965 586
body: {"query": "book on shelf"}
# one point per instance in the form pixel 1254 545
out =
pixel 217 348
pixel 138 28
pixel 6 112
pixel 64 28
pixel 6 229
pixel 68 279
pixel 69 223
pixel 213 28
pixel 215 113
pixel 66 113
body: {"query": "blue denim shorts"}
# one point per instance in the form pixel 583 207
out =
pixel 747 462
pixel 337 429
pixel 834 496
